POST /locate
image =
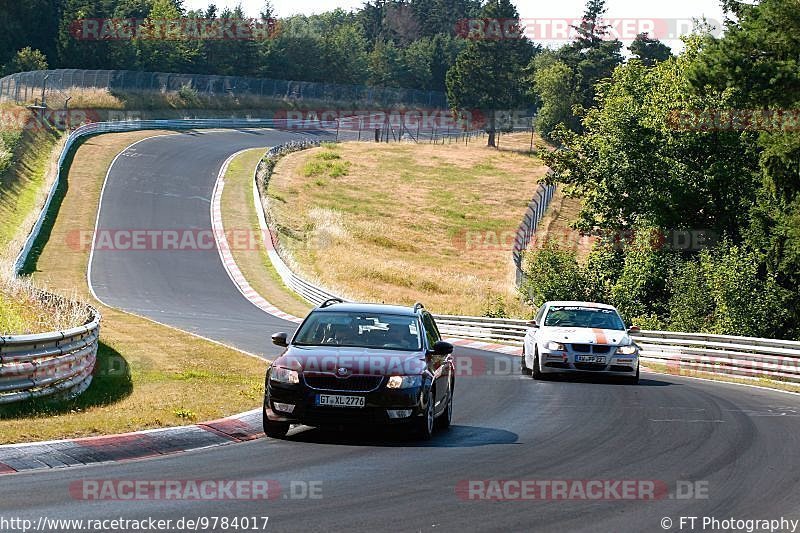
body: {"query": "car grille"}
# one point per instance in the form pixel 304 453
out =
pixel 330 382
pixel 557 365
pixel 621 368
pixel 590 366
pixel 591 348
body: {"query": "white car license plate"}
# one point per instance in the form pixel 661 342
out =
pixel 590 359
pixel 334 400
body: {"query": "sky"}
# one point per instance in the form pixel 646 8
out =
pixel 671 17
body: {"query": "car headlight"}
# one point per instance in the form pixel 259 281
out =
pixel 284 375
pixel 403 382
pixel 554 346
pixel 626 350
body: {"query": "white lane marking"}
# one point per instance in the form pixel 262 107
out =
pixel 687 420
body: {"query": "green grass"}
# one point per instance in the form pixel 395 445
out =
pixel 327 163
pixel 23 169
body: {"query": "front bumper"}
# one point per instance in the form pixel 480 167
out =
pixel 562 362
pixel 378 403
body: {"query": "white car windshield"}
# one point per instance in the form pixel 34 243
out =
pixel 583 317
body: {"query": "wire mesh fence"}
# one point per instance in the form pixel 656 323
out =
pixel 24 87
pixel 530 222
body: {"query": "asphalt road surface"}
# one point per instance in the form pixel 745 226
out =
pixel 736 447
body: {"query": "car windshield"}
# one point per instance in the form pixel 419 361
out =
pixel 363 330
pixel 583 317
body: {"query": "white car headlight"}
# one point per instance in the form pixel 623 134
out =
pixel 403 382
pixel 284 375
pixel 554 346
pixel 626 350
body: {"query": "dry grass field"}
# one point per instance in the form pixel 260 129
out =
pixel 408 222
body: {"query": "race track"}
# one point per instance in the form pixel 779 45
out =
pixel 740 442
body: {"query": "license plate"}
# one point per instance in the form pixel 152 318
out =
pixel 334 400
pixel 590 359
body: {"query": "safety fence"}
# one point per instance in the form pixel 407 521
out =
pixel 530 222
pixel 24 87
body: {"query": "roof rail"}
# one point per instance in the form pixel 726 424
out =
pixel 331 301
pixel 418 306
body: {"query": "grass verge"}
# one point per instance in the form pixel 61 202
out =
pixel 240 221
pixel 404 222
pixel 174 378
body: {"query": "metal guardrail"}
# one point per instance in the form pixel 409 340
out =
pixel 61 362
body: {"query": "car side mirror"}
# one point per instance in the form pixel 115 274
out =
pixel 634 329
pixel 532 324
pixel 442 348
pixel 280 339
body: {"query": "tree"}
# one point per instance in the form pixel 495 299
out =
pixel 553 84
pixel 592 30
pixel 637 165
pixel 757 61
pixel 488 74
pixel 28 59
pixel 30 24
pixel 648 50
pixel 345 55
pixel 386 67
pixel 583 63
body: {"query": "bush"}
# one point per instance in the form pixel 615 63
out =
pixel 552 273
pixel 746 300
pixel 495 307
pixel 603 268
pixel 691 307
pixel 642 289
pixel 188 94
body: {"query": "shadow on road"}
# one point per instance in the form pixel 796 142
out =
pixel 454 437
pixel 607 380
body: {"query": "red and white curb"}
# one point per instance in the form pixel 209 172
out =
pixel 487 346
pixel 130 446
pixel 226 256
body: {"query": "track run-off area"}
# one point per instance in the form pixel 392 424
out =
pixel 709 449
